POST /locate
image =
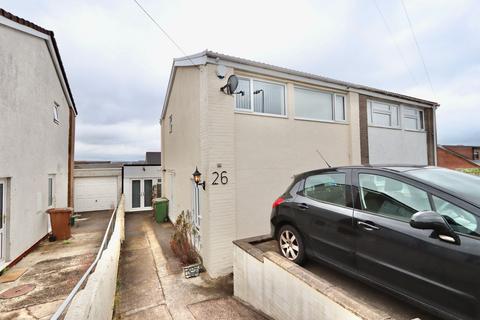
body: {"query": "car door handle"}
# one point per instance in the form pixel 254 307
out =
pixel 303 206
pixel 367 225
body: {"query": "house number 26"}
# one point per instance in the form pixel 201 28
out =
pixel 222 176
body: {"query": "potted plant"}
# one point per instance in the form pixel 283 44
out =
pixel 182 245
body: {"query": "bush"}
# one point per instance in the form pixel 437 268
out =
pixel 181 242
pixel 474 171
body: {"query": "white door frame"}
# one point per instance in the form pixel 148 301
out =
pixel 196 216
pixel 3 217
pixel 142 193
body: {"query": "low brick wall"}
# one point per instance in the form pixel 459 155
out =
pixel 283 290
pixel 96 300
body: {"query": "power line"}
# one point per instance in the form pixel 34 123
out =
pixel 395 42
pixel 164 32
pixel 418 47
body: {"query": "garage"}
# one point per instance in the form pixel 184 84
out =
pixel 98 193
pixel 97 186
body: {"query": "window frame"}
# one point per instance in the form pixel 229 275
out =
pixel 370 112
pixel 334 104
pixel 56 113
pixel 419 118
pixel 252 107
pixel 51 177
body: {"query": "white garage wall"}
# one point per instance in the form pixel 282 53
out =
pixel 133 172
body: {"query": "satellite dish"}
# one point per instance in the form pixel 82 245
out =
pixel 231 86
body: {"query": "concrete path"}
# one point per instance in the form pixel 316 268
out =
pixel 152 286
pixel 54 268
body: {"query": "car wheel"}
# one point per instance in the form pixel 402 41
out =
pixel 291 244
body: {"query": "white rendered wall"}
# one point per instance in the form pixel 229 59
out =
pixel 32 146
pixel 396 146
pixel 138 172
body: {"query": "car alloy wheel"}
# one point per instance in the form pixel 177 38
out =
pixel 289 245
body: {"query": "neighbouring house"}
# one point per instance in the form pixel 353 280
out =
pixel 458 157
pixel 100 184
pixel 280 122
pixel 37 129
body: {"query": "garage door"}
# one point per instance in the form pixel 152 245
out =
pixel 95 193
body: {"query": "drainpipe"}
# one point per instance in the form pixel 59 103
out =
pixel 435 134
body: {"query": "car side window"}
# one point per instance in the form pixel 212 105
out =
pixel 460 220
pixel 391 197
pixel 326 187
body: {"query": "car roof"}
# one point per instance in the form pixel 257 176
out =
pixel 389 167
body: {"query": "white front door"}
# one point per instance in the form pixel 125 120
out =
pixel 3 220
pixel 142 194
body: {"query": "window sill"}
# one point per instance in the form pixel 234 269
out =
pixel 384 127
pixel 323 121
pixel 413 130
pixel 261 114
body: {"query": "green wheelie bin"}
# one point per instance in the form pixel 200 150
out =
pixel 161 209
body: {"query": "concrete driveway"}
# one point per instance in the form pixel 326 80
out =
pixel 151 283
pixel 53 269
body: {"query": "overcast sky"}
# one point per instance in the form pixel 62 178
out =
pixel 118 62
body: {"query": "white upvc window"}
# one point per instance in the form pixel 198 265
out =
pixel 260 96
pixel 413 119
pixel 311 104
pixel 56 117
pixel 51 191
pixel 383 114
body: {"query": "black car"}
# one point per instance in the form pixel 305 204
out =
pixel 414 231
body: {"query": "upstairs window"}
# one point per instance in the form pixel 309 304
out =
pixel 56 107
pixel 260 96
pixel 413 119
pixel 383 114
pixel 318 105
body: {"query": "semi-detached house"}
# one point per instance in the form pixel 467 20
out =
pixel 279 122
pixel 37 135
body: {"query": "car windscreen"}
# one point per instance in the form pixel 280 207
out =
pixel 465 185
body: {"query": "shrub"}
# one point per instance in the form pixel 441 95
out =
pixel 474 171
pixel 181 242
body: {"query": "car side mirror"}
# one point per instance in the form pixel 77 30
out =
pixel 431 220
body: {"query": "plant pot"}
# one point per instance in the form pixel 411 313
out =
pixel 192 270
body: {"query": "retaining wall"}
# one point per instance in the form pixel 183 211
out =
pixel 96 300
pixel 283 290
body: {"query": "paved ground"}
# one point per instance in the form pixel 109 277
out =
pixel 396 308
pixel 54 268
pixel 152 286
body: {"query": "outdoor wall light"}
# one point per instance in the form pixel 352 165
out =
pixel 196 177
